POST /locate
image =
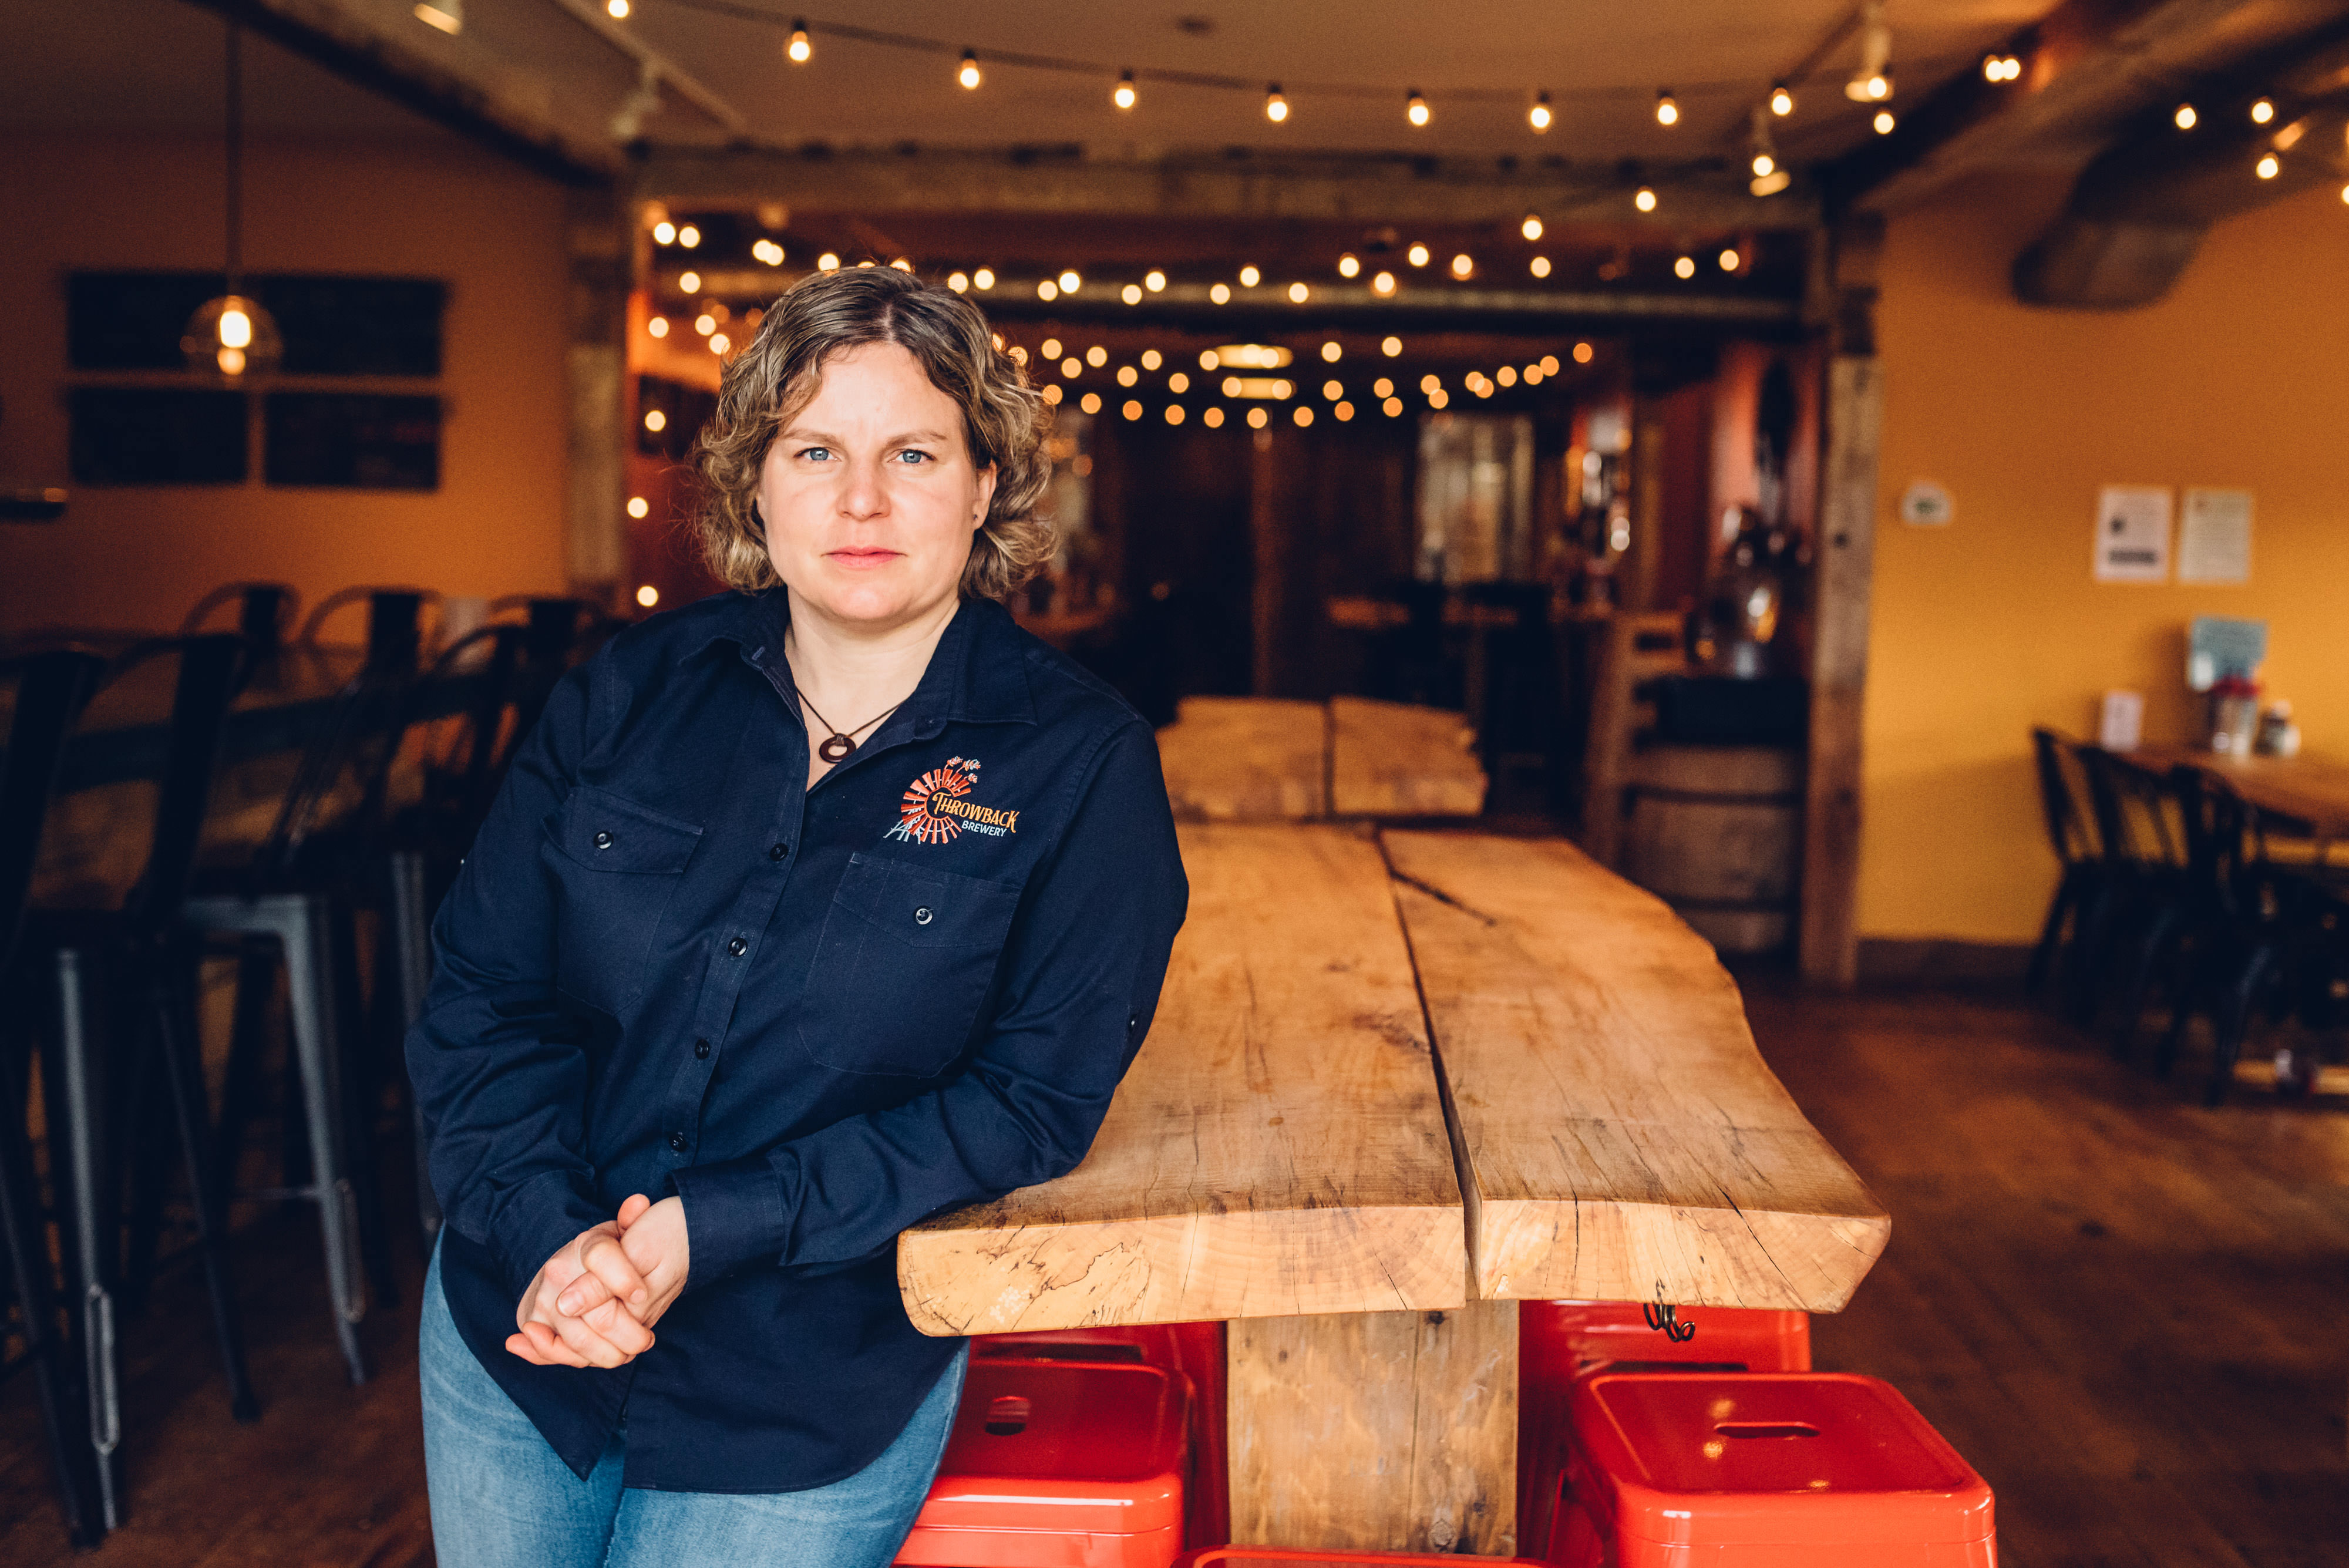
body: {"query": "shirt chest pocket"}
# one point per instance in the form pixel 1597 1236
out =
pixel 904 961
pixel 619 865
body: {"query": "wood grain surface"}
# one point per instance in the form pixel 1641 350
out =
pixel 1247 759
pixel 2310 790
pixel 1397 759
pixel 1376 1431
pixel 1623 1137
pixel 1278 1146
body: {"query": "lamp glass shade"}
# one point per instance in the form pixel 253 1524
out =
pixel 232 336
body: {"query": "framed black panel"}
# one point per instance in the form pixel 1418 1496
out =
pixel 142 435
pixel 331 326
pixel 352 441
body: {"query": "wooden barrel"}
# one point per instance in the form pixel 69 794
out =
pixel 1717 833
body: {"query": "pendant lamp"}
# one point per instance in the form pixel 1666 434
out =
pixel 234 335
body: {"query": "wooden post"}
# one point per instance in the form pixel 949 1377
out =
pixel 1391 1431
pixel 1266 524
pixel 601 244
pixel 1830 935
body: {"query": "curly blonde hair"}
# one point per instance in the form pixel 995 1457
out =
pixel 1004 419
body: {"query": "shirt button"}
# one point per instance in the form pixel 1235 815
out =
pixel 778 851
pixel 738 947
pixel 922 916
pixel 701 1050
pixel 603 840
pixel 677 1142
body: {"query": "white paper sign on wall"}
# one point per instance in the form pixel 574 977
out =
pixel 2214 538
pixel 1925 505
pixel 2132 541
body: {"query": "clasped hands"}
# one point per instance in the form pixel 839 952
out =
pixel 596 1301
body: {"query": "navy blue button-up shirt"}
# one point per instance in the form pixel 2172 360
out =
pixel 818 1016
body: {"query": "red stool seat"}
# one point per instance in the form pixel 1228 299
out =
pixel 1241 1556
pixel 1059 1465
pixel 1575 1335
pixel 1763 1470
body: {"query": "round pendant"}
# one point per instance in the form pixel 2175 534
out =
pixel 835 748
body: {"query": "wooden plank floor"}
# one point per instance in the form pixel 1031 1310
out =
pixel 2131 1315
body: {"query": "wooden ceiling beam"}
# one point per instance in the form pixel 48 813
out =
pixel 1213 186
pixel 338 38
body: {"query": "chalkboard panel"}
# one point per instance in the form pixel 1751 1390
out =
pixel 352 441
pixel 332 325
pixel 140 435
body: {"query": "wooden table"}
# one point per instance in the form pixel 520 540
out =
pixel 2311 791
pixel 1267 759
pixel 1396 1082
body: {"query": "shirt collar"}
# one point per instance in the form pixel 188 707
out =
pixel 978 674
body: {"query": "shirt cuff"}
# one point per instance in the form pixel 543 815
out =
pixel 733 1215
pixel 537 1219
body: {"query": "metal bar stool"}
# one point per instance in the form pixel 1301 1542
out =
pixel 123 1006
pixel 50 690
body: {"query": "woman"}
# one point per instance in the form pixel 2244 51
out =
pixel 807 912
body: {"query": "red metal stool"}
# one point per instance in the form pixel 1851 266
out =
pixel 1559 1342
pixel 1241 1556
pixel 1810 1470
pixel 1059 1464
pixel 1194 1350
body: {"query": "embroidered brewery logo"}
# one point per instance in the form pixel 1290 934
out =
pixel 936 806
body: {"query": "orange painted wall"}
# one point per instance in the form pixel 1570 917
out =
pixel 2240 378
pixel 428 207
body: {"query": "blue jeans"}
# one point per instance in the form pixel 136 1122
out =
pixel 501 1500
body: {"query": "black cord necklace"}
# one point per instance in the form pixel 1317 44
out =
pixel 844 740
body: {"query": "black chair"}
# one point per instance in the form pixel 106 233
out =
pixel 2233 940
pixel 2072 833
pixel 264 612
pixel 123 1039
pixel 2139 883
pixel 50 690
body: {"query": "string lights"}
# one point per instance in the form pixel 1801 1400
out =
pixel 2002 69
pixel 2262 111
pixel 1781 101
pixel 1668 109
pixel 1539 116
pixel 2185 118
pixel 1124 96
pixel 969 76
pixel 799 51
pixel 1276 107
pixel 1872 83
pixel 1415 108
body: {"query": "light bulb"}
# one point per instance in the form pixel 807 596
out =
pixel 1071 281
pixel 1763 165
pixel 1047 290
pixel 657 327
pixel 1782 102
pixel 1096 356
pixel 705 324
pixel 1685 267
pixel 719 343
pixel 1391 346
pixel 640 507
pixel 1220 293
pixel 230 360
pixel 1582 353
pixel 1174 413
pixel 649 596
pixel 236 328
pixel 828 262
pixel 1417 255
pixel 1644 199
pixel 1124 95
pixel 1298 293
pixel 1153 280
pixel 1539 117
pixel 1532 227
pixel 1349 265
pixel 984 277
pixel 1462 265
pixel 799 49
pixel 1248 276
pixel 1729 260
pixel 1541 266
pixel 2185 116
pixel 447 15
pixel 1383 285
pixel 1883 123
pixel 1131 294
pixel 1257 419
pixel 1331 352
pixel 617 9
pixel 689 282
pixel 689 236
pixel 1152 360
pixel 2262 111
pixel 1415 108
pixel 968 75
pixel 2267 167
pixel 1090 402
pixel 1333 391
pixel 959 282
pixel 656 421
pixel 663 233
pixel 1276 107
pixel 1668 111
pixel 1131 409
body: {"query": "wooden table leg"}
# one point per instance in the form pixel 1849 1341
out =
pixel 1377 1431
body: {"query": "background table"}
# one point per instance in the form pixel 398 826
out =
pixel 1267 759
pixel 1394 1083
pixel 2313 790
